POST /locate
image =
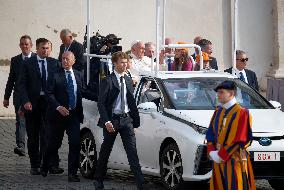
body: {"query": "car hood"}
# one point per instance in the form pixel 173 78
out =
pixel 266 122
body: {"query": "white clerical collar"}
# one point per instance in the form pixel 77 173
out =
pixel 38 58
pixel 230 103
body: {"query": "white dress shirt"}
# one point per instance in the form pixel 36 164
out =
pixel 117 104
pixel 236 72
pixel 28 56
pixel 40 69
pixel 74 82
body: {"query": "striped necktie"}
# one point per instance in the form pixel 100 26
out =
pixel 70 90
pixel 242 77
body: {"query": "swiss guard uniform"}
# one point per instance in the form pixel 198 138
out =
pixel 228 137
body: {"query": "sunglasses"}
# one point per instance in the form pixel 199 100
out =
pixel 243 59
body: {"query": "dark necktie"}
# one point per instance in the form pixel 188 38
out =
pixel 122 92
pixel 26 58
pixel 242 77
pixel 169 61
pixel 43 76
pixel 70 89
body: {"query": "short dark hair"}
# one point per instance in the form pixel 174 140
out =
pixel 119 55
pixel 204 42
pixel 41 40
pixel 25 37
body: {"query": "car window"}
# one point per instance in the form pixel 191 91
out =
pixel 149 92
pixel 198 93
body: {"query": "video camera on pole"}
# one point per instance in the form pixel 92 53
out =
pixel 101 67
pixel 103 45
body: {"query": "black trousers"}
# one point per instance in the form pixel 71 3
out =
pixel 20 128
pixel 124 127
pixel 55 130
pixel 35 127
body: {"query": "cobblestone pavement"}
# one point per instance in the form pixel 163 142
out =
pixel 14 170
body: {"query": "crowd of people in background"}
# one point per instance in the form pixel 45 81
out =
pixel 179 59
pixel 48 92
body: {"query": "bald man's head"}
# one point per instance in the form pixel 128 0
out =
pixel 197 40
pixel 68 60
pixel 167 42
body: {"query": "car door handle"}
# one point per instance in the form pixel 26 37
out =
pixel 163 122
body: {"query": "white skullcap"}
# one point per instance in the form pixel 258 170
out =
pixel 135 42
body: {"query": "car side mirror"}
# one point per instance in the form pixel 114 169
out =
pixel 276 104
pixel 148 106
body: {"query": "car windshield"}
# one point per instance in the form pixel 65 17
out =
pixel 199 94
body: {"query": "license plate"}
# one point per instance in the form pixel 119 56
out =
pixel 266 156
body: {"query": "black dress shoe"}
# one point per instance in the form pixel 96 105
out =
pixel 19 151
pixel 35 171
pixel 43 173
pixel 56 170
pixel 99 185
pixel 73 178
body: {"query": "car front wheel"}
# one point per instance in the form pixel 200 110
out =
pixel 88 155
pixel 171 167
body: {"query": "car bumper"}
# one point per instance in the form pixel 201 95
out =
pixel 262 169
pixel 268 169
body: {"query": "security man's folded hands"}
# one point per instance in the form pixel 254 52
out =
pixel 63 111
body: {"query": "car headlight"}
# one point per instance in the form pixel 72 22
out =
pixel 199 129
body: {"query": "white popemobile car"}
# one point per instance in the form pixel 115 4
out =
pixel 175 110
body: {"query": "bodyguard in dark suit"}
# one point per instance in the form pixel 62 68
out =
pixel 32 86
pixel 12 84
pixel 213 63
pixel 65 113
pixel 118 114
pixel 69 44
pixel 241 72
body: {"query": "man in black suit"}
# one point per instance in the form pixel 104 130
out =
pixel 69 44
pixel 207 47
pixel 65 112
pixel 118 114
pixel 241 72
pixel 32 85
pixel 12 84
